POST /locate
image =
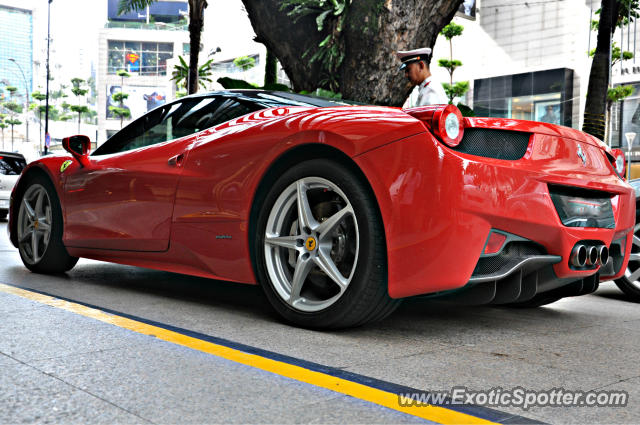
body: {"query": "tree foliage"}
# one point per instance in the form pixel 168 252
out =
pixel 245 63
pixel 38 96
pixel 616 53
pixel 122 73
pixel 13 107
pixel 458 89
pixel 452 30
pixel 78 91
pixel 329 52
pixel 180 73
pixel 618 93
pixel 612 14
pixel 119 112
pixel 120 97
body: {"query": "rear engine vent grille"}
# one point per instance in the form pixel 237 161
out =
pixel 498 144
pixel 513 252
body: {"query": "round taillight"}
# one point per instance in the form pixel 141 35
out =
pixel 620 162
pixel 445 121
pixel 448 125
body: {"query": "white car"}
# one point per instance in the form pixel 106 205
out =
pixel 11 165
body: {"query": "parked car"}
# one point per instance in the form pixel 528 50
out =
pixel 11 165
pixel 338 211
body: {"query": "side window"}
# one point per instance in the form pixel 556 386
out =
pixel 154 127
pixel 130 136
pixel 225 109
pixel 174 121
pixel 210 112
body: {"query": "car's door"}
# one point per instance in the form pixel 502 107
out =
pixel 124 199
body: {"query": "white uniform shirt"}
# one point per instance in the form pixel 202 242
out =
pixel 429 92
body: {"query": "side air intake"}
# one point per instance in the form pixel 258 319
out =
pixel 498 144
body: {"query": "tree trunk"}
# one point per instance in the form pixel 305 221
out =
pixel 271 69
pixel 373 32
pixel 196 22
pixel 596 104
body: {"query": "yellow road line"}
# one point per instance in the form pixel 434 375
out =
pixel 298 373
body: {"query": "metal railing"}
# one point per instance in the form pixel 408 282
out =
pixel 151 26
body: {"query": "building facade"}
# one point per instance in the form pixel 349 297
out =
pixel 525 60
pixel 146 45
pixel 529 60
pixel 16 42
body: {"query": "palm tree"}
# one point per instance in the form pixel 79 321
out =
pixel 180 73
pixel 196 23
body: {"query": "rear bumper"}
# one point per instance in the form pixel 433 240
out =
pixel 439 207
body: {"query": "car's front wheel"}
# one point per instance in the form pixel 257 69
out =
pixel 630 282
pixel 320 248
pixel 39 229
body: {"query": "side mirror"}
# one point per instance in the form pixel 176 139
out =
pixel 78 146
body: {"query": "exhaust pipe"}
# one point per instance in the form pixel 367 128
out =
pixel 579 256
pixel 592 256
pixel 603 255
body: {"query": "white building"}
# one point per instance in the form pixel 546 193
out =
pixel 528 59
pixel 145 45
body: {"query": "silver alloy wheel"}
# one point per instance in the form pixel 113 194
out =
pixel 632 273
pixel 34 223
pixel 313 220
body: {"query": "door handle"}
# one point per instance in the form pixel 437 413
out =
pixel 176 161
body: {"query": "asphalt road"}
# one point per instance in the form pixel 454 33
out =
pixel 59 366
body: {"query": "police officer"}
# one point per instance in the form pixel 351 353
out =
pixel 415 64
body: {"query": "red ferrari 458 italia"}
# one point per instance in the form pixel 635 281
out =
pixel 338 211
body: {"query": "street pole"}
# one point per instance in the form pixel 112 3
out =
pixel 630 137
pixel 46 110
pixel 26 88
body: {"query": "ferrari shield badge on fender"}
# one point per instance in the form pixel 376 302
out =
pixel 65 165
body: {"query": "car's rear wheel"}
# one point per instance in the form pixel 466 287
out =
pixel 39 229
pixel 630 282
pixel 320 248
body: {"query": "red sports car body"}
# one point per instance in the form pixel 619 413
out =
pixel 504 211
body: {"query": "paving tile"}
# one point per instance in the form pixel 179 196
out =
pixel 30 396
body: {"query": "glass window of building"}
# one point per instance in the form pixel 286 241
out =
pixel 141 58
pixel 16 42
pixel 544 96
pixel 625 118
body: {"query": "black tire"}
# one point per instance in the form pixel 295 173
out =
pixel 3 215
pixel 631 288
pixel 365 298
pixel 52 256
